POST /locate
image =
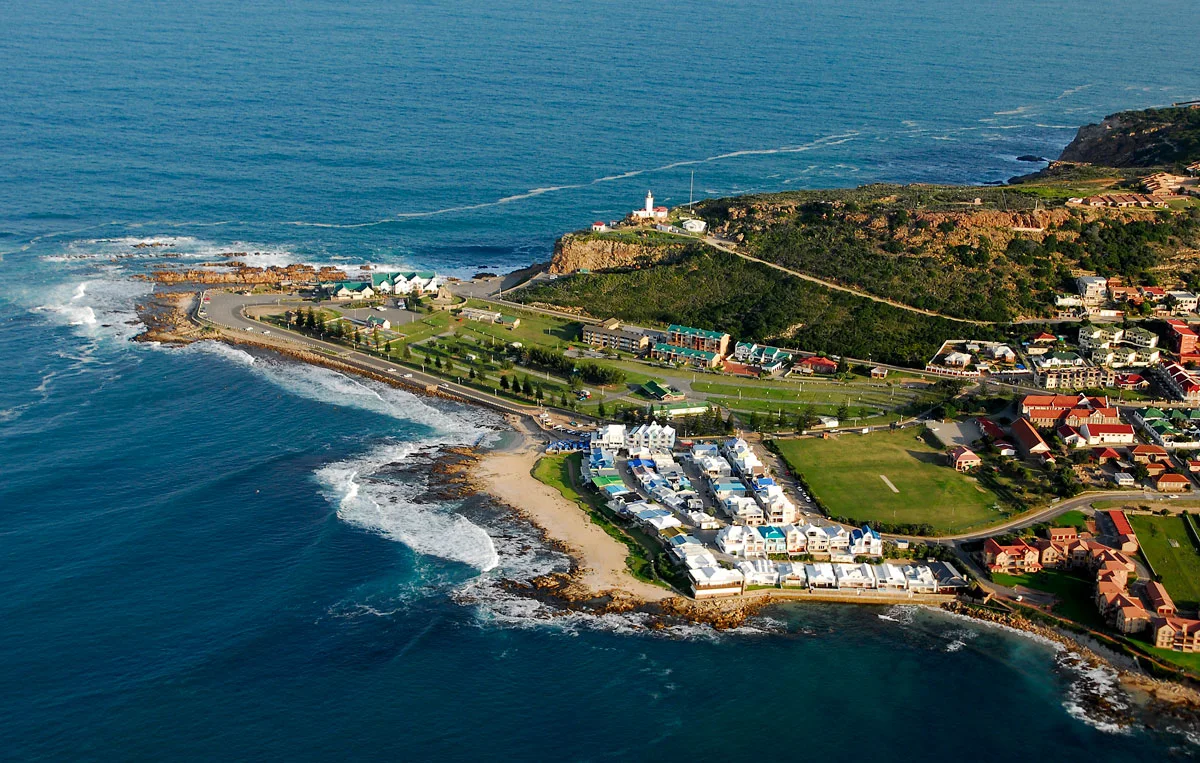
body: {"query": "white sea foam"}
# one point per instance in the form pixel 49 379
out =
pixel 95 307
pixel 387 506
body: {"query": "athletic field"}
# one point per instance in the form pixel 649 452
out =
pixel 893 477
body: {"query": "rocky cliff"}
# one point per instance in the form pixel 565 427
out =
pixel 1147 138
pixel 579 251
pixel 239 273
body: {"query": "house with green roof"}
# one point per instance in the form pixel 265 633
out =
pixel 348 290
pixel 378 322
pixel 685 355
pixel 657 391
pixel 406 282
pixel 691 338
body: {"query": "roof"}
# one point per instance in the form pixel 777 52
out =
pixel 1027 436
pixel 961 452
pixel 1120 521
pixel 1109 428
pixel 654 389
pixel 1149 450
pixel 816 360
pixel 1177 479
pixel 686 352
pixel 689 331
pixel 1106 453
pixel 1158 595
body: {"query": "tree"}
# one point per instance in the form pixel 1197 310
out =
pixel 406 353
pixel 600 410
pixel 472 374
pixel 504 382
pixel 539 393
pixel 526 387
pixel 843 413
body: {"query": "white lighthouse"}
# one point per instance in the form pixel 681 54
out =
pixel 649 212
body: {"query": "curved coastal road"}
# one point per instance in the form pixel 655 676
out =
pixel 224 310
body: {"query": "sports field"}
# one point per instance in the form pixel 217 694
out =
pixel 1167 544
pixel 890 477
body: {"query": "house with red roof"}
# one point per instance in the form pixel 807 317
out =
pixel 1104 455
pixel 1172 483
pixel 1146 454
pixel 1175 633
pixel 1045 338
pixel 1014 558
pixel 990 428
pixel 1108 434
pixel 963 459
pixel 1182 383
pixel 1120 522
pixel 1159 600
pixel 817 365
pixel 1028 439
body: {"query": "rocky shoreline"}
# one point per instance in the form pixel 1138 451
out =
pixel 1143 700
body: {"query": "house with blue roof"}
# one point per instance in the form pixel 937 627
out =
pixel 774 539
pixel 865 542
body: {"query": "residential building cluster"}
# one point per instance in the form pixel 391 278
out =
pixel 400 283
pixel 963 358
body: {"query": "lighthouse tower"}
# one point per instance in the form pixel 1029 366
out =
pixel 649 204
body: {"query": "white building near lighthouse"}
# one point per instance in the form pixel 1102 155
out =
pixel 650 212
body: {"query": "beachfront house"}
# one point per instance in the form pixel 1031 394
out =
pixel 820 575
pixel 761 572
pixel 713 582
pixel 920 579
pixel 890 577
pixel 854 576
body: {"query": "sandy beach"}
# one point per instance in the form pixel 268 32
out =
pixel 505 475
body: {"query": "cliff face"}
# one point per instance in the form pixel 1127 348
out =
pixel 579 251
pixel 1138 139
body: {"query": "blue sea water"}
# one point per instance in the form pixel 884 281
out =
pixel 208 553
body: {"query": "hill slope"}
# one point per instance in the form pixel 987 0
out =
pixel 1150 138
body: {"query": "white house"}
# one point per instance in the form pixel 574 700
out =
pixel 739 540
pixel 609 437
pixel 820 575
pixel 839 539
pixel 759 572
pixel 920 579
pixel 817 540
pixel 704 521
pixel 711 582
pixel 743 510
pixel 890 577
pixel 865 542
pixel 652 437
pixel 854 575
pixel 791 575
pixel 797 541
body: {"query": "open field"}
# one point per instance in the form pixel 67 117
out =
pixel 1074 593
pixel 1178 566
pixel 846 476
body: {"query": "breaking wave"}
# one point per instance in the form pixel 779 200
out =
pixel 389 507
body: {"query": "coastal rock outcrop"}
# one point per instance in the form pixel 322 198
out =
pixel 1138 139
pixel 238 273
pixel 581 251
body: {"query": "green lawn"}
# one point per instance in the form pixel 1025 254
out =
pixel 1073 518
pixel 1075 594
pixel 1178 567
pixel 1189 661
pixel 844 474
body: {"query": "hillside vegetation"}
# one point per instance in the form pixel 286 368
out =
pixel 1149 138
pixel 935 248
pixel 716 290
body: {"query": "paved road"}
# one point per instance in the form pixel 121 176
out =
pixel 225 311
pixel 1042 515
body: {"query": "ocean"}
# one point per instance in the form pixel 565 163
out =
pixel 208 552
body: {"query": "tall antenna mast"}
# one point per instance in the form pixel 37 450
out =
pixel 691 188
